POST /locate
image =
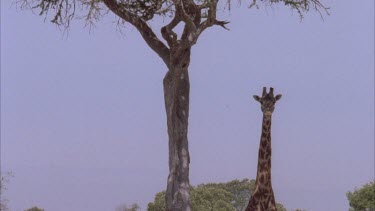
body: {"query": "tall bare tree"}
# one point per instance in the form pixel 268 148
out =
pixel 196 16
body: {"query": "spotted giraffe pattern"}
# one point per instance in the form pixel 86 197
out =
pixel 263 198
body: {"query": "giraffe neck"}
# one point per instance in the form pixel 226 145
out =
pixel 263 198
pixel 264 155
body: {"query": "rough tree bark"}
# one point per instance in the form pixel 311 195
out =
pixel 176 95
pixel 176 85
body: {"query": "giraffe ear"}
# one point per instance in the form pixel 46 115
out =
pixel 278 97
pixel 257 98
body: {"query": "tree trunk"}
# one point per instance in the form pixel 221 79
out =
pixel 176 95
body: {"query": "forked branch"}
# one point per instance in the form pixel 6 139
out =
pixel 148 35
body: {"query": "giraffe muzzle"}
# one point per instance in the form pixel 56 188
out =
pixel 268 113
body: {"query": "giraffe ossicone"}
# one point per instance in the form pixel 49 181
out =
pixel 263 198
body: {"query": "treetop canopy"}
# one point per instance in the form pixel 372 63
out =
pixel 196 16
pixel 196 12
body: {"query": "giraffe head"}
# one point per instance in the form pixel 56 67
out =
pixel 267 101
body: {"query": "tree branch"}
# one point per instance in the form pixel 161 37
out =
pixel 185 17
pixel 301 6
pixel 211 18
pixel 204 5
pixel 189 13
pixel 164 11
pixel 148 35
pixel 167 31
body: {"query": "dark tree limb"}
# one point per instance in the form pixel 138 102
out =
pixel 180 11
pixel 148 35
pixel 168 34
pixel 211 18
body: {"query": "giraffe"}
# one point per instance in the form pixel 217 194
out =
pixel 263 198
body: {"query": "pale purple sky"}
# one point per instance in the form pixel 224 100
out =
pixel 84 127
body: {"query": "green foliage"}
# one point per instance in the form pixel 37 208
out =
pixel 35 209
pixel 211 198
pixel 134 207
pixel 240 191
pixel 159 203
pixel 230 196
pixel 364 198
pixel 280 207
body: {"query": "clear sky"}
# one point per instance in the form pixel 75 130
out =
pixel 84 127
